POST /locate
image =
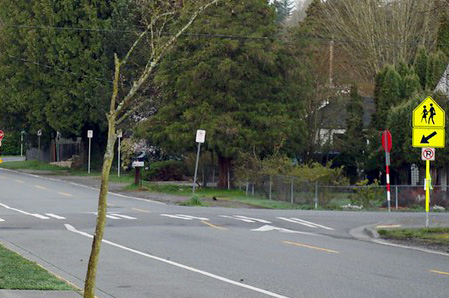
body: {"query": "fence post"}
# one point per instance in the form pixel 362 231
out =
pixel 291 196
pixel 396 195
pixel 269 194
pixel 316 194
pixel 247 187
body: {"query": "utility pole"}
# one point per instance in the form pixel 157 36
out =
pixel 331 62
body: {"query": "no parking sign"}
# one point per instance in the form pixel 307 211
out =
pixel 428 153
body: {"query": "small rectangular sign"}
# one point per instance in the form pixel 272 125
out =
pixel 90 134
pixel 138 164
pixel 428 137
pixel 200 136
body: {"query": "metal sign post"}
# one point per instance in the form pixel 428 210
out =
pixel 428 154
pixel 200 138
pixel 39 133
pixel 90 134
pixel 119 136
pixel 387 144
pixel 428 122
pixel 21 142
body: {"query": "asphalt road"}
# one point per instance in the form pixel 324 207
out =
pixel 157 250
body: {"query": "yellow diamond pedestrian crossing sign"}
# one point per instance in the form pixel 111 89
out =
pixel 428 114
pixel 428 120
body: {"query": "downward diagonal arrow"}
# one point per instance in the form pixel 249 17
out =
pixel 425 140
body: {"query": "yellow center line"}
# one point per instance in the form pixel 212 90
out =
pixel 312 247
pixel 440 272
pixel 141 210
pixel 40 187
pixel 213 226
pixel 65 194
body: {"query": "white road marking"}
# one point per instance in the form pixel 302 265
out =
pixel 112 217
pixel 185 217
pixel 65 194
pixel 1 220
pixel 305 223
pixel 255 219
pixel 24 212
pixel 19 181
pixel 55 216
pixel 267 228
pixel 179 265
pixel 241 219
pixel 40 187
pixel 123 216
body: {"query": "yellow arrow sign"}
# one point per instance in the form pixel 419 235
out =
pixel 428 137
pixel 428 114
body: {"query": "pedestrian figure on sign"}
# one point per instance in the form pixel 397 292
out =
pixel 424 114
pixel 432 113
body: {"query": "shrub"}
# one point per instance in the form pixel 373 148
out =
pixel 367 195
pixel 193 201
pixel 168 170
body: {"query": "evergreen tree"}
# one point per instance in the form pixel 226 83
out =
pixel 354 145
pixel 238 90
pixel 436 66
pixel 420 65
pixel 284 9
pixel 387 94
pixel 57 76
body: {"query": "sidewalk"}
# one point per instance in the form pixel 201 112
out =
pixel 38 294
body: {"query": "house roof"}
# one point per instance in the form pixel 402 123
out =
pixel 334 114
pixel 443 84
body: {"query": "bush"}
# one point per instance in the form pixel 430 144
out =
pixel 168 170
pixel 367 195
pixel 193 201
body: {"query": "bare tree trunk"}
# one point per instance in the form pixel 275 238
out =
pixel 89 287
pixel 224 164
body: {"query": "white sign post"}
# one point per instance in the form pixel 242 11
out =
pixel 119 136
pixel 90 134
pixel 21 142
pixel 39 133
pixel 200 138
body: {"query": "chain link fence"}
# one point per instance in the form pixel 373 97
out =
pixel 314 195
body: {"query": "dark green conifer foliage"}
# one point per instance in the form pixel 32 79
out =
pixel 238 90
pixel 58 77
pixel 354 144
pixel 284 9
pixel 387 94
pixel 420 65
pixel 436 66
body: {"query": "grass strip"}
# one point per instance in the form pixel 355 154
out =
pixel 31 165
pixel 438 236
pixel 17 273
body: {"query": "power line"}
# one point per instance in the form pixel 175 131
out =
pixel 278 37
pixel 59 69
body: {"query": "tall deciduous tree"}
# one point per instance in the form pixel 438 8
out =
pixel 380 32
pixel 237 89
pixel 125 98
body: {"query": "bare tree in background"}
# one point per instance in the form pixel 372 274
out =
pixel 377 32
pixel 158 16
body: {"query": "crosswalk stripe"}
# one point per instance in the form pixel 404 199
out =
pixel 55 216
pixel 311 223
pixel 123 216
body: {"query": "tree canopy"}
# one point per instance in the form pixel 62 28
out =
pixel 238 90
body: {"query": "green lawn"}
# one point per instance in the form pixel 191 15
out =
pixel 438 236
pixel 31 165
pixel 18 273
